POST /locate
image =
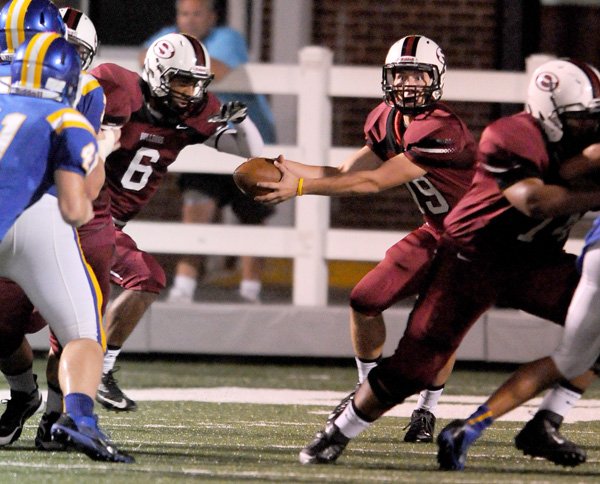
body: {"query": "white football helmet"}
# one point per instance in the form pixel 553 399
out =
pixel 180 55
pixel 409 54
pixel 561 89
pixel 81 33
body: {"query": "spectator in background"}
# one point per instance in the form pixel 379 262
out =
pixel 204 195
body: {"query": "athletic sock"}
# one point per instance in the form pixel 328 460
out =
pixel 561 399
pixel 112 352
pixel 54 402
pixel 79 405
pixel 23 382
pixel 429 398
pixel 480 420
pixel 364 366
pixel 351 421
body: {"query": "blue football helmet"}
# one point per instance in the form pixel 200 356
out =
pixel 47 66
pixel 22 19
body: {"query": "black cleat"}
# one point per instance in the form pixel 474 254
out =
pixel 337 411
pixel 111 397
pixel 88 438
pixel 540 438
pixel 43 438
pixel 421 426
pixel 19 408
pixel 326 447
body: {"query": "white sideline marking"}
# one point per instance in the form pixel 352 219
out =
pixel 451 406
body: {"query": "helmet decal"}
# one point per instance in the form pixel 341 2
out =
pixel 410 46
pixel 547 81
pixel 72 17
pixel 36 52
pixel 15 23
pixel 164 49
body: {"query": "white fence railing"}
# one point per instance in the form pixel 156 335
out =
pixel 310 242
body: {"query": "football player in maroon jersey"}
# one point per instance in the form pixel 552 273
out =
pixel 505 236
pixel 160 113
pixel 565 96
pixel 412 139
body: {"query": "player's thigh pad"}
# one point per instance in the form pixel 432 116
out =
pixel 47 262
pixel 135 269
pixel 398 276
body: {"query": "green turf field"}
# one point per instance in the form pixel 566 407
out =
pixel 237 442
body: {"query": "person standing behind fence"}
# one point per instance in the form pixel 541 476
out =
pixel 204 195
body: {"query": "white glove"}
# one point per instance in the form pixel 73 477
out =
pixel 108 141
pixel 232 112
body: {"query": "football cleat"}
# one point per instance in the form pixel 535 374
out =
pixel 453 442
pixel 325 448
pixel 19 408
pixel 421 426
pixel 86 437
pixel 337 411
pixel 43 437
pixel 540 438
pixel 111 397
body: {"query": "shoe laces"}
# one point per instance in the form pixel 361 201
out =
pixel 422 417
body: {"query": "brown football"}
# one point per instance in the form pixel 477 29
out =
pixel 255 170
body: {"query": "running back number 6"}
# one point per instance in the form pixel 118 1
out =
pixel 138 171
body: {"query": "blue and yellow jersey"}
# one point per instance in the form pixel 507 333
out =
pixel 38 137
pixel 90 99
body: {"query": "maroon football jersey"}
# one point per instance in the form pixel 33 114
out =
pixel 437 141
pixel 511 149
pixel 148 147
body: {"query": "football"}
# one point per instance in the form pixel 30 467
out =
pixel 255 170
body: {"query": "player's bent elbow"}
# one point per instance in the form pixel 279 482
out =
pixel 76 212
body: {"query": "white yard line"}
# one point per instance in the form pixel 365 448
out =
pixel 451 406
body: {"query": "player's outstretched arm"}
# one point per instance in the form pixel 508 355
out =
pixel 394 172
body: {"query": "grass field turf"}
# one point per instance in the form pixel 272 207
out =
pixel 212 442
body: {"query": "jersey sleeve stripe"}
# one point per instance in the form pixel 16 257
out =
pixel 89 86
pixel 68 118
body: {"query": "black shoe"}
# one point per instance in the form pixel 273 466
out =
pixel 421 426
pixel 326 447
pixel 43 438
pixel 19 408
pixel 337 411
pixel 540 438
pixel 86 437
pixel 110 396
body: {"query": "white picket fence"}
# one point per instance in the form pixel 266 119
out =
pixel 310 241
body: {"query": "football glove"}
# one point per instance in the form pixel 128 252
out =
pixel 232 112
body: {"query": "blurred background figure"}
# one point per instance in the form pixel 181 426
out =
pixel 205 195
